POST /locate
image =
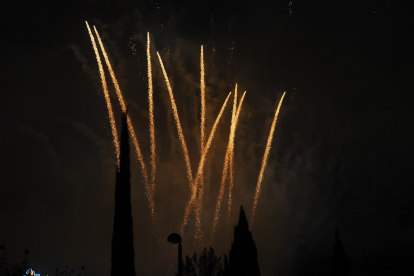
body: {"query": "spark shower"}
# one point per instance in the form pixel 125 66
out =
pixel 196 182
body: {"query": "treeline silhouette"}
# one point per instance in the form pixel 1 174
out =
pixel 242 257
pixel 241 260
pixel 20 268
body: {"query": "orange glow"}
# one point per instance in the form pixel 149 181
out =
pixel 152 126
pixel 226 167
pixel 130 126
pixel 231 150
pixel 264 161
pixel 192 201
pixel 106 93
pixel 232 155
pixel 177 122
pixel 203 129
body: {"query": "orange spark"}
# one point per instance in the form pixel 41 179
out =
pixel 226 167
pixel 232 154
pixel 203 100
pixel 221 192
pixel 231 140
pixel 203 129
pixel 200 170
pixel 130 127
pixel 106 93
pixel 151 117
pixel 264 162
pixel 177 122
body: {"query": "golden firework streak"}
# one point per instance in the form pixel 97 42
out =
pixel 200 169
pixel 203 129
pixel 264 162
pixel 106 93
pixel 225 170
pixel 203 99
pixel 124 110
pixel 152 126
pixel 177 122
pixel 231 153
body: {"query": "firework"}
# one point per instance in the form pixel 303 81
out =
pixel 177 122
pixel 264 161
pixel 151 117
pixel 203 129
pixel 130 127
pixel 221 192
pixel 232 155
pixel 200 169
pixel 106 93
pixel 196 182
pixel 203 99
pixel 231 141
pixel 226 166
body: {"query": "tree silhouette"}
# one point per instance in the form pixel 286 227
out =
pixel 243 252
pixel 208 264
pixel 68 271
pixel 122 238
pixel 341 263
pixel 16 269
pixel 20 268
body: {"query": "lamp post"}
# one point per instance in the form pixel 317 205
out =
pixel 174 238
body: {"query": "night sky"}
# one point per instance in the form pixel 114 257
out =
pixel 340 158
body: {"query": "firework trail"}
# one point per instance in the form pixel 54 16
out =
pixel 106 93
pixel 130 127
pixel 221 192
pixel 177 122
pixel 200 170
pixel 151 117
pixel 232 155
pixel 231 140
pixel 203 129
pixel 225 170
pixel 264 162
pixel 203 99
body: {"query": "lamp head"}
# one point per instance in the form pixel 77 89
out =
pixel 174 238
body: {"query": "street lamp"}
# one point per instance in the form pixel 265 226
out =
pixel 174 238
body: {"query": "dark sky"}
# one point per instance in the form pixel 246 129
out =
pixel 340 158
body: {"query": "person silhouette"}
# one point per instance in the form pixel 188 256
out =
pixel 31 272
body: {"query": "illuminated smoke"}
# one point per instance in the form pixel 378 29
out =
pixel 130 127
pixel 225 169
pixel 200 169
pixel 264 162
pixel 177 122
pixel 152 126
pixel 106 93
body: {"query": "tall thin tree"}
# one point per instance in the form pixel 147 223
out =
pixel 123 255
pixel 243 252
pixel 340 262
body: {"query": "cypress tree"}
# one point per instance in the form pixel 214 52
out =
pixel 122 261
pixel 341 264
pixel 243 252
